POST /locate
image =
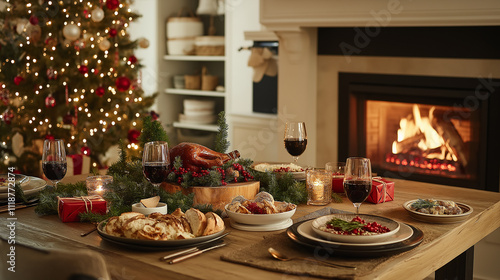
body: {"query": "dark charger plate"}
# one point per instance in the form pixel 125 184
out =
pixel 357 251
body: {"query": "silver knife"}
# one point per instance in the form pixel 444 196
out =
pixel 194 249
pixel 185 257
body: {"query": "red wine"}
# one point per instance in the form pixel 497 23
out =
pixel 54 170
pixel 295 146
pixel 357 191
pixel 155 172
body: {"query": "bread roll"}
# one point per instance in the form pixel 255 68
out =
pixel 197 221
pixel 179 214
pixel 214 223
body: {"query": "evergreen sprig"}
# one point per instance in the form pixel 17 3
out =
pixel 345 225
pixel 221 143
pixel 48 197
pixel 283 187
pixel 152 131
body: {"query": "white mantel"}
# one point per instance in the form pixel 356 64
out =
pixel 295 22
pixel 294 14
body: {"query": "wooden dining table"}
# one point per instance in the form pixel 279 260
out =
pixel 447 248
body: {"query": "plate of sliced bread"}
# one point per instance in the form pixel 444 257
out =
pixel 163 230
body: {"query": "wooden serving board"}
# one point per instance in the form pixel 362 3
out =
pixel 218 197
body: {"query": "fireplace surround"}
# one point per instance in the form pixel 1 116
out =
pixel 313 95
pixel 460 114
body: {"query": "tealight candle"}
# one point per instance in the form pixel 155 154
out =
pixel 319 186
pixel 96 185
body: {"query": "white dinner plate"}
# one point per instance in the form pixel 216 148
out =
pixel 268 227
pixel 389 223
pixel 299 176
pixel 159 243
pixel 440 219
pixel 20 179
pixel 404 232
pixel 34 186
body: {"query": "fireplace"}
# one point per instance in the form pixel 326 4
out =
pixel 432 129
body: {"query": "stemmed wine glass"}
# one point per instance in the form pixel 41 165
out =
pixel 54 160
pixel 155 161
pixel 295 139
pixel 357 180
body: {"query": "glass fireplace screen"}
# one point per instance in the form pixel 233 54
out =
pixel 426 139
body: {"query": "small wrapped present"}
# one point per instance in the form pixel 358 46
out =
pixel 69 208
pixel 78 164
pixel 382 191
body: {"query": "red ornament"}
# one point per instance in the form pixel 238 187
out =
pixel 132 59
pixel 68 118
pixel 154 115
pixel 100 91
pixel 51 73
pixel 85 150
pixel 51 42
pixel 7 116
pixel 18 80
pixel 50 101
pixel 33 20
pixel 123 83
pixel 4 95
pixel 83 69
pixel 113 32
pixel 112 4
pixel 50 137
pixel 133 135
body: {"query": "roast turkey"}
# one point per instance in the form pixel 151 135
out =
pixel 197 157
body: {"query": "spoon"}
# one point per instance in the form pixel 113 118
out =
pixel 280 256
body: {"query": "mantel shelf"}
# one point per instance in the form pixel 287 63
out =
pixel 204 127
pixel 194 57
pixel 195 92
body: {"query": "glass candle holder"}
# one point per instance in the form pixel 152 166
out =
pixel 319 186
pixel 97 185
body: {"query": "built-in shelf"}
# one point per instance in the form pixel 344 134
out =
pixel 205 127
pixel 195 92
pixel 195 57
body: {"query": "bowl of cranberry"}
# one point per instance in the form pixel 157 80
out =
pixel 352 228
pixel 260 213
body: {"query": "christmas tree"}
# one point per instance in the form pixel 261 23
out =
pixel 68 71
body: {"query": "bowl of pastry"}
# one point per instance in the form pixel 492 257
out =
pixel 262 210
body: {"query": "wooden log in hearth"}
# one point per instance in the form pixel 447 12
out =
pixel 453 141
pixel 409 143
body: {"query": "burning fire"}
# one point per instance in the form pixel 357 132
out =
pixel 427 141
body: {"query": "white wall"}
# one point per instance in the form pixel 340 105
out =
pixel 241 16
pixel 147 27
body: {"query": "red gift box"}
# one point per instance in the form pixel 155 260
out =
pixel 382 191
pixel 69 208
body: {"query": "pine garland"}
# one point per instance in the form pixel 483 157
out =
pixel 129 185
pixel 283 187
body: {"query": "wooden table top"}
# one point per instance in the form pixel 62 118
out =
pixel 443 242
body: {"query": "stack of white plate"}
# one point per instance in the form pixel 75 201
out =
pixel 198 112
pixel 398 231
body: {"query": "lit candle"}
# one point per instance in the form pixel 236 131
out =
pixel 319 187
pixel 96 185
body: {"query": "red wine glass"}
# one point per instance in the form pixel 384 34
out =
pixel 54 164
pixel 357 180
pixel 295 139
pixel 155 161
